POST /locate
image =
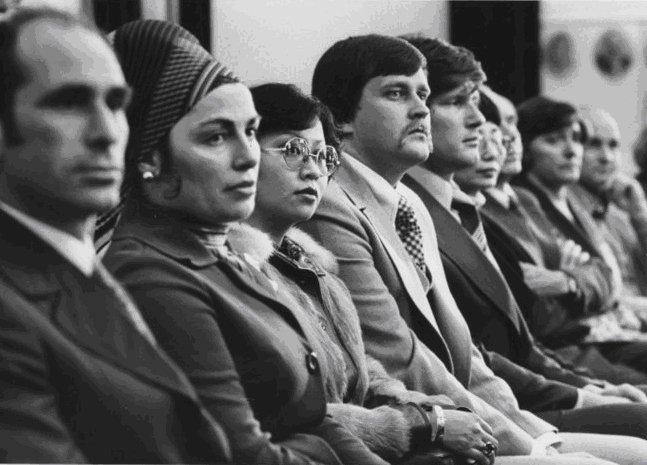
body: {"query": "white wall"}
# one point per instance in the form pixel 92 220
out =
pixel 586 21
pixel 72 6
pixel 281 40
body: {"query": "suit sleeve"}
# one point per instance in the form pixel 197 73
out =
pixel 533 391
pixel 387 337
pixel 31 428
pixel 180 314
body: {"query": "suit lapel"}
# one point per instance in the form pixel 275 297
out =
pixel 360 193
pixel 578 233
pixel 586 222
pixel 514 226
pixel 257 285
pixel 99 325
pixel 84 312
pixel 458 247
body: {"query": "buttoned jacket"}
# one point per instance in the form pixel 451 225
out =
pixel 241 345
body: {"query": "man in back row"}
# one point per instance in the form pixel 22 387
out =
pixel 81 377
pixel 376 87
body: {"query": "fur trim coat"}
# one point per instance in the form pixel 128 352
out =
pixel 361 395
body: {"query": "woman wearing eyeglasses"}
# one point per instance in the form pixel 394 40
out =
pixel 192 163
pixel 298 156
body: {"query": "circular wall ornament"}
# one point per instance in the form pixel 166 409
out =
pixel 558 54
pixel 613 55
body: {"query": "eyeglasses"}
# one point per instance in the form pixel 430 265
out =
pixel 296 154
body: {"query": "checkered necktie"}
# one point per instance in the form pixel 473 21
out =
pixel 410 233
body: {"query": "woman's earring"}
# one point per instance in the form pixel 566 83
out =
pixel 148 176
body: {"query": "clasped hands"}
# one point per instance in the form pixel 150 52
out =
pixel 612 394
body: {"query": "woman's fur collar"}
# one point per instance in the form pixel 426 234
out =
pixel 258 245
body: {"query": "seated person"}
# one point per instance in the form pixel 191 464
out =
pixel 556 279
pixel 552 138
pixel 192 161
pixel 616 203
pixel 477 284
pixel 376 88
pixel 82 379
pixel 295 167
pixel 640 158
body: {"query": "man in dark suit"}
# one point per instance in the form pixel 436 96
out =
pixel 386 247
pixel 474 276
pixel 81 376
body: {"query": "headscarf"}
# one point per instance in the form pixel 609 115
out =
pixel 169 72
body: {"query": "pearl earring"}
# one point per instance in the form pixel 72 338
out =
pixel 148 176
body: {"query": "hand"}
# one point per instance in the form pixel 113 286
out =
pixel 591 399
pixel 572 255
pixel 466 433
pixel 628 194
pixel 545 282
pixel 624 391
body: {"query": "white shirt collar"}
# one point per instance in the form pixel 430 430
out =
pixel 386 193
pixel 439 188
pixel 80 253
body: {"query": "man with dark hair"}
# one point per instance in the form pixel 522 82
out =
pixel 81 376
pixel 373 224
pixel 474 276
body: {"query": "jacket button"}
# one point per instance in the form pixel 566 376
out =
pixel 312 363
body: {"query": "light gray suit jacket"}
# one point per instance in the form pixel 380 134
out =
pixel 356 223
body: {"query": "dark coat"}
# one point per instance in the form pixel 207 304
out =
pixel 514 239
pixel 494 316
pixel 244 349
pixel 78 382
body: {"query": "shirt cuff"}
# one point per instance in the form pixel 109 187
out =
pixel 550 438
pixel 580 399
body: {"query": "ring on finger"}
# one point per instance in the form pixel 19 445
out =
pixel 488 449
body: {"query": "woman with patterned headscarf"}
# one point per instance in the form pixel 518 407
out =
pixel 191 168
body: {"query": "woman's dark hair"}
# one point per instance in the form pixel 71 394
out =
pixel 285 107
pixel 542 115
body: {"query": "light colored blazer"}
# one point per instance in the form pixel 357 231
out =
pixel 355 223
